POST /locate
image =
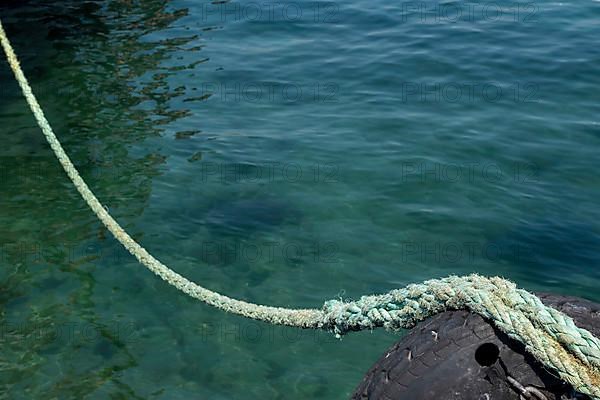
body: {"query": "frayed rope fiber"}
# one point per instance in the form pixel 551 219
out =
pixel 549 335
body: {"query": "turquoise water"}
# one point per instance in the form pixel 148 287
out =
pixel 282 153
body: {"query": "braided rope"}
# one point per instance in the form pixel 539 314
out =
pixel 549 335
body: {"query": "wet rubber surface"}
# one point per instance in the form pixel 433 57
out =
pixel 459 355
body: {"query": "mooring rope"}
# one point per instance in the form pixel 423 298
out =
pixel 549 335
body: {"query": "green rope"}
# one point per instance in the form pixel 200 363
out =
pixel 549 335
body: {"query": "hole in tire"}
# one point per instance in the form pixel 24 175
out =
pixel 487 354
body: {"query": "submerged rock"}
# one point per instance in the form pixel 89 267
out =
pixel 238 232
pixel 246 216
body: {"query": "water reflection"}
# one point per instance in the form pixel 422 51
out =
pixel 98 76
pixel 552 247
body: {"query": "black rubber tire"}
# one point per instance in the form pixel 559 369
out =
pixel 443 358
